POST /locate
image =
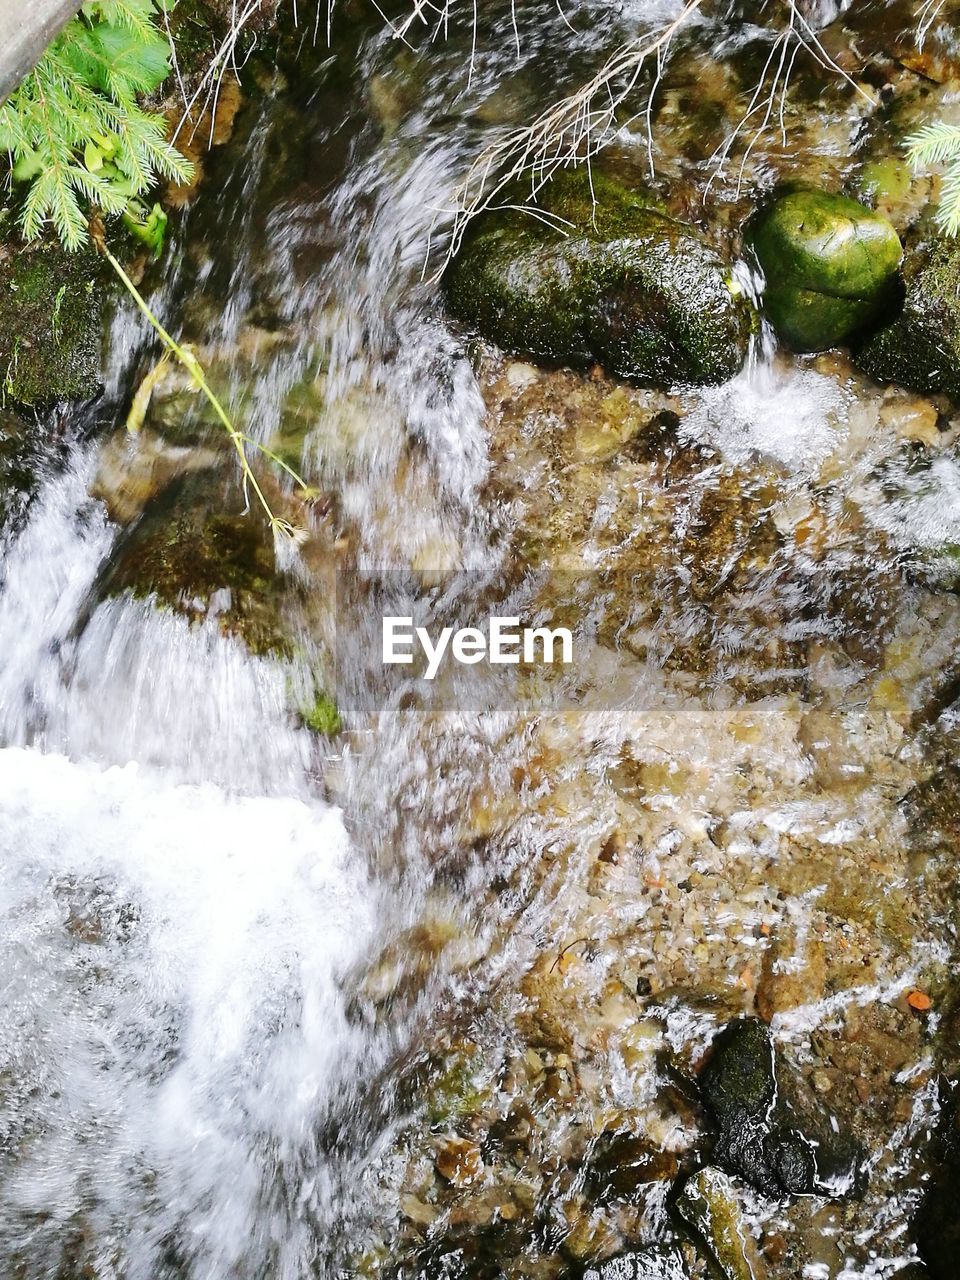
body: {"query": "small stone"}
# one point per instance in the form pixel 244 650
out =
pixel 460 1162
pixel 417 1211
pixel 913 419
pixel 520 376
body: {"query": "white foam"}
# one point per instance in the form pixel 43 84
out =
pixel 172 1026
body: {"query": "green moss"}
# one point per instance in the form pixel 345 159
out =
pixel 812 320
pixel 829 263
pixel 51 323
pixel 921 348
pixel 323 716
pixel 461 1089
pixel 615 281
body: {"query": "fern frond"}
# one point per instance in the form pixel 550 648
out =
pixel 933 144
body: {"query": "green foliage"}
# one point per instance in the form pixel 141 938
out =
pixel 148 225
pixel 940 144
pixel 324 716
pixel 74 129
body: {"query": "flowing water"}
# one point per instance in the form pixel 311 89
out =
pixel 249 976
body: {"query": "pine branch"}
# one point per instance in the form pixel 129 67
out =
pixel 939 144
pixel 74 129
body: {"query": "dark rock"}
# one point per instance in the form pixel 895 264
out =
pixel 770 1127
pixel 921 348
pixel 51 324
pixel 830 266
pixel 936 1227
pixel 645 1264
pixel 621 284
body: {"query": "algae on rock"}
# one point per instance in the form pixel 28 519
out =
pixel 921 348
pixel 50 324
pixel 610 279
pixel 830 266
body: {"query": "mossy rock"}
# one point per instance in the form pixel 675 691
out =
pixel 920 349
pixel 191 555
pixel 830 266
pixel 621 284
pixel 51 324
pixel 709 1206
pixel 769 1128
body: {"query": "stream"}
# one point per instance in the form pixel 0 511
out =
pixel 257 982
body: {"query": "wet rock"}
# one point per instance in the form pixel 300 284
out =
pixel 830 266
pixel 50 324
pixel 193 555
pixel 644 1264
pixel 936 1227
pixel 460 1162
pixel 708 1204
pixel 770 1128
pixel 132 470
pixel 621 284
pixel 921 348
pixel 623 1163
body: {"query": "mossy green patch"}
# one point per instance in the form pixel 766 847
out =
pixel 830 265
pixel 323 716
pixel 607 277
pixel 920 349
pixel 51 324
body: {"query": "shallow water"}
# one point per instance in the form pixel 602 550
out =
pixel 253 977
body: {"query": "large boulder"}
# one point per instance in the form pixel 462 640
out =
pixel 616 282
pixel 921 348
pixel 830 266
pixel 769 1127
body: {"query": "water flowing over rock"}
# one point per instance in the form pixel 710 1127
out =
pixel 830 265
pixel 599 274
pixel 708 1204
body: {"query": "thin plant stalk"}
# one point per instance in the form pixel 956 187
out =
pixel 239 439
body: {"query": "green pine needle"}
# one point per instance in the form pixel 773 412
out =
pixel 939 144
pixel 74 129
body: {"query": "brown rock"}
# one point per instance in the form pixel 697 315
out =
pixel 794 973
pixel 460 1162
